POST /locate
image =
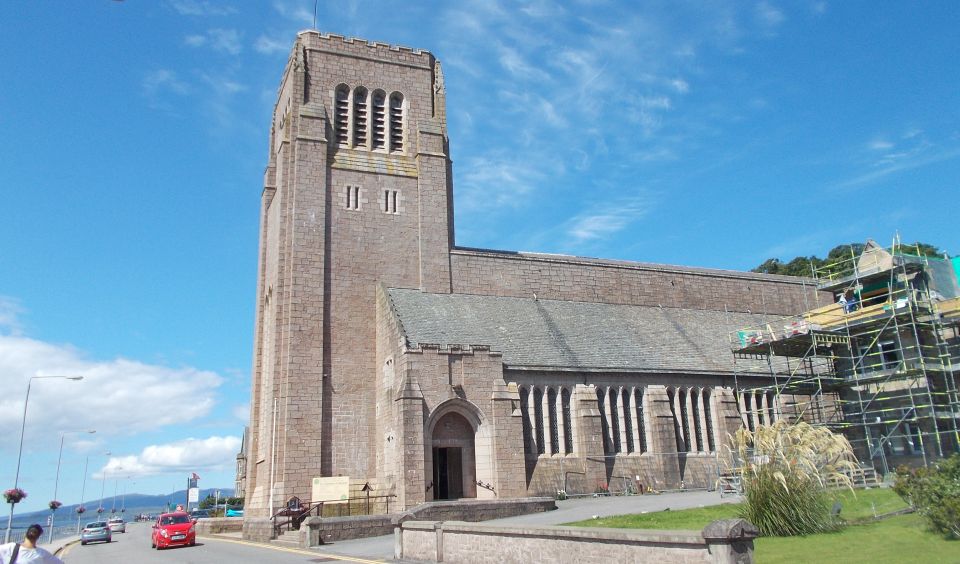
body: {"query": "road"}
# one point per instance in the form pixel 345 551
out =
pixel 134 546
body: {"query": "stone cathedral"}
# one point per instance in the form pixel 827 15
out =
pixel 387 354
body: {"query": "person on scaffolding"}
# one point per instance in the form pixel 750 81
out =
pixel 848 301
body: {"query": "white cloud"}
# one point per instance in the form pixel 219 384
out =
pixel 140 395
pixel 222 40
pixel 163 79
pixel 242 412
pixel 10 311
pixel 898 162
pixel 200 8
pixel 195 40
pixel 680 85
pixel 295 11
pixel 188 455
pixel 603 222
pixel 269 45
pixel 769 16
pixel 880 145
pixel 496 181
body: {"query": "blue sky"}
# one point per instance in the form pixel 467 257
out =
pixel 133 138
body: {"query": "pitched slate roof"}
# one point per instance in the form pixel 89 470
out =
pixel 573 335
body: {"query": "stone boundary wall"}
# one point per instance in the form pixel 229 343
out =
pixel 257 529
pixel 317 530
pixel 559 277
pixel 216 525
pixel 728 541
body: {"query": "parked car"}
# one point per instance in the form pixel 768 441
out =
pixel 173 529
pixel 117 525
pixel 199 514
pixel 96 531
pixel 234 512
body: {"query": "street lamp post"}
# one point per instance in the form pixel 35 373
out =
pixel 83 490
pixel 103 483
pixel 56 485
pixel 23 426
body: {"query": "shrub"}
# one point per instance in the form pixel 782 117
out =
pixel 935 493
pixel 785 471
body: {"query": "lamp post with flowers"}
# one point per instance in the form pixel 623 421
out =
pixel 103 484
pixel 54 503
pixel 15 494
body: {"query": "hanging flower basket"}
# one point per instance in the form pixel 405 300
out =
pixel 81 510
pixel 54 505
pixel 14 495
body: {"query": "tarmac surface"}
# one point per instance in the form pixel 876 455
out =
pixel 570 510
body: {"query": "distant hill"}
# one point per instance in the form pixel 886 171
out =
pixel 135 503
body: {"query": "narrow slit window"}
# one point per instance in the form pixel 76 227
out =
pixel 353 197
pixel 628 421
pixel 538 418
pixel 708 418
pixel 567 422
pixel 695 405
pixel 554 424
pixel 684 423
pixel 525 416
pixel 604 427
pixel 615 422
pixel 390 200
pixel 641 429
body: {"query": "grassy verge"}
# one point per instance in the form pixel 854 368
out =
pixel 897 539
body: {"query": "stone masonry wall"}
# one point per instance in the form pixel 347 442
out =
pixel 321 260
pixel 616 282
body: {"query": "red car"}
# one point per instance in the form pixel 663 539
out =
pixel 173 529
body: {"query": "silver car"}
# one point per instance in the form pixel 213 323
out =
pixel 97 531
pixel 117 525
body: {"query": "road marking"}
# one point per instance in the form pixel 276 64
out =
pixel 298 551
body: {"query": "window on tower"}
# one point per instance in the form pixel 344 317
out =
pixel 360 116
pixel 379 101
pixel 396 122
pixel 341 114
pixel 390 199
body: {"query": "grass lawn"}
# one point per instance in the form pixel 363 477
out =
pixel 896 539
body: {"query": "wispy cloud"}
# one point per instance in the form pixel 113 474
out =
pixel 769 17
pixel 222 40
pixel 880 145
pixel 200 8
pixel 496 181
pixel 271 45
pixel 899 162
pixel 158 83
pixel 189 455
pixel 10 312
pixel 607 220
pixel 296 11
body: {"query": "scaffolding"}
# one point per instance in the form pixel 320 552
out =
pixel 879 362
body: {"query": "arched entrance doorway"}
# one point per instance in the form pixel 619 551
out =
pixel 454 457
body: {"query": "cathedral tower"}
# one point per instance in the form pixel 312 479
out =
pixel 357 193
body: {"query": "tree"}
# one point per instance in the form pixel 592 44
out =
pixel 935 493
pixel 839 260
pixel 207 502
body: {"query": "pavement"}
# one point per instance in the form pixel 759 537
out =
pixel 59 544
pixel 570 510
